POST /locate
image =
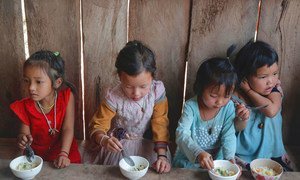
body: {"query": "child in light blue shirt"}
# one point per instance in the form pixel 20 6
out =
pixel 205 130
pixel 259 85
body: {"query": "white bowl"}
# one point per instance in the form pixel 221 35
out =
pixel 26 174
pixel 130 171
pixel 224 164
pixel 269 163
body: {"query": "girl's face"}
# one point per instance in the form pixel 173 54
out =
pixel 215 97
pixel 265 79
pixel 136 87
pixel 38 83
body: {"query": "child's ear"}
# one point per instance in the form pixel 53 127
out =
pixel 58 83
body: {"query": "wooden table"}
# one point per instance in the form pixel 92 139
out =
pixel 9 150
pixel 88 171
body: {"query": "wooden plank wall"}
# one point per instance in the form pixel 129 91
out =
pixel 11 57
pixel 215 26
pixel 280 26
pixel 176 30
pixel 164 26
pixel 105 34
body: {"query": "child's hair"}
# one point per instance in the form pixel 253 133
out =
pixel 52 64
pixel 135 58
pixel 215 71
pixel 253 56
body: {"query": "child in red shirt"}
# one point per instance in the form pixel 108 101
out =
pixel 47 115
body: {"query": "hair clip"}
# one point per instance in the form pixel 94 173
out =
pixel 56 53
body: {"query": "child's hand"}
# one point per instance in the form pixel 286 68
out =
pixel 278 86
pixel 205 160
pixel 245 85
pixel 112 144
pixel 61 161
pixel 24 139
pixel 162 165
pixel 242 113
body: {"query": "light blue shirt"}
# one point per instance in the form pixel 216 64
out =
pixel 193 137
pixel 253 142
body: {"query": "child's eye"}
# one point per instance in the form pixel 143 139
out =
pixel 275 74
pixel 261 77
pixel 26 81
pixel 144 86
pixel 213 96
pixel 39 82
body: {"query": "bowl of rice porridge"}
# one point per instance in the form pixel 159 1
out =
pixel 23 169
pixel 266 169
pixel 137 171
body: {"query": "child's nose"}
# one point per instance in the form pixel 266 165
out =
pixel 270 80
pixel 219 102
pixel 31 87
pixel 135 91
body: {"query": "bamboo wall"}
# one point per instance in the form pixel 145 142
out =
pixel 176 30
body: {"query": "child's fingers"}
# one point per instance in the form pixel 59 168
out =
pixel 29 138
pixel 21 146
pixel 23 141
pixel 232 161
pixel 207 165
pixel 118 143
pixel 58 163
pixel 239 109
pixel 162 166
pixel 62 162
pixel 210 163
pixel 159 166
pixel 65 162
pixel 168 168
pixel 26 139
pixel 278 82
pixel 114 144
pixel 244 114
pixel 113 147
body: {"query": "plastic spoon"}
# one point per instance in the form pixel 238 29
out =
pixel 29 153
pixel 127 158
pixel 237 100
